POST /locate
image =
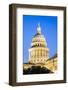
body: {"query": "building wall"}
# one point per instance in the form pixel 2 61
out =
pixel 52 64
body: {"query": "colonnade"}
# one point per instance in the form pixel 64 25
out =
pixel 38 55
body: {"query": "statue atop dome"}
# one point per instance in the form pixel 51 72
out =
pixel 39 29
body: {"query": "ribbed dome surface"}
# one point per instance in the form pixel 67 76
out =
pixel 38 39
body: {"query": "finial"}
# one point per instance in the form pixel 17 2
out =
pixel 39 28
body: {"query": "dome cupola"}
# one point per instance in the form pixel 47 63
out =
pixel 38 39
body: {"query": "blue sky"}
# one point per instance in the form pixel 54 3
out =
pixel 48 28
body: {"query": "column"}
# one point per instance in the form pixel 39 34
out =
pixel 39 53
pixel 35 54
pixel 29 55
pixel 46 54
pixel 42 53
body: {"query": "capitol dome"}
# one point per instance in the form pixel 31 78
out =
pixel 38 52
pixel 38 39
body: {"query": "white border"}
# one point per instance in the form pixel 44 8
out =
pixel 41 77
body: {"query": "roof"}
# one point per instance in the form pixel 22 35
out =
pixel 53 57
